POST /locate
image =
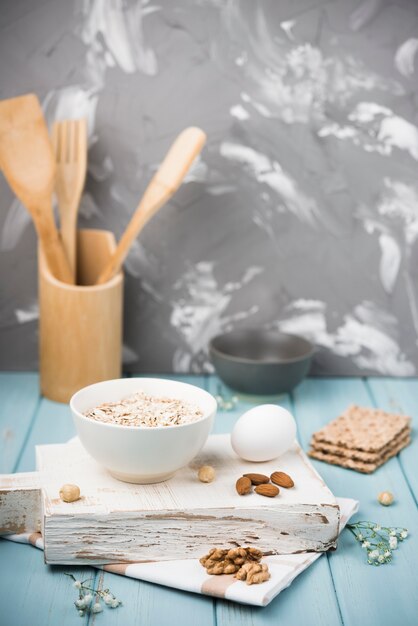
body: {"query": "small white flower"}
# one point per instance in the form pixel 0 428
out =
pixel 81 613
pixel 88 598
pixel 377 528
pixel 365 544
pixel 393 543
pixel 404 534
pixel 108 598
pixel 115 604
pixel 387 554
pixel 392 533
pixel 381 558
pixel 77 584
pixel 373 554
pixel 97 607
pixel 360 537
pixel 80 603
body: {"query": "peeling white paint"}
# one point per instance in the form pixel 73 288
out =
pixel 405 57
pixel 390 261
pixel 239 112
pixel 136 260
pixel 399 205
pixel 340 132
pixel 399 133
pixel 198 171
pixel 114 32
pixel 367 335
pixel 220 190
pixel 368 111
pixel 102 170
pixel 296 82
pixel 199 313
pixel 287 26
pixel 72 102
pixel 272 174
pixel 29 314
pixel 375 128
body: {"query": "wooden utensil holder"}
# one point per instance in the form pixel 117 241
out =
pixel 80 326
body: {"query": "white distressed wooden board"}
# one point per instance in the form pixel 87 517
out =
pixel 181 518
pixel 20 503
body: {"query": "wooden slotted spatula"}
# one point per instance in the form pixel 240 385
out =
pixel 69 140
pixel 27 161
pixel 163 185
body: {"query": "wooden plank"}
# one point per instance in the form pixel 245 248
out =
pixel 309 601
pixel 401 396
pixel 155 522
pixel 226 419
pixel 20 503
pixel 315 585
pixel 53 424
pixel 150 604
pixel 358 585
pixel 19 398
pixel 146 604
pixel 31 593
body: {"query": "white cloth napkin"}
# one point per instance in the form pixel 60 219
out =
pixel 189 575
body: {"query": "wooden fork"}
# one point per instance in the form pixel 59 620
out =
pixel 69 139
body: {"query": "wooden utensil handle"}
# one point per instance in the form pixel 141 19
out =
pixel 154 198
pixel 163 185
pixel 56 259
pixel 68 213
pixel 52 246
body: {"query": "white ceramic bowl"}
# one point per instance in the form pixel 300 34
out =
pixel 136 454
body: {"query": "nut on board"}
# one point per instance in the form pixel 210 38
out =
pixel 206 474
pixel 270 491
pixel 69 493
pixel 243 485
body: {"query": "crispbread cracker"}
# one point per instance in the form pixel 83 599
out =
pixel 370 430
pixel 360 455
pixel 358 466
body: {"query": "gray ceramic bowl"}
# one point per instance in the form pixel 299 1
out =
pixel 261 362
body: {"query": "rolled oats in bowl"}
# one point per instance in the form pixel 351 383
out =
pixel 144 410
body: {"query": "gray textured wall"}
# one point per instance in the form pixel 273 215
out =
pixel 302 212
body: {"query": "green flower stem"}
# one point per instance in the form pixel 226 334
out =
pixel 99 594
pixel 380 550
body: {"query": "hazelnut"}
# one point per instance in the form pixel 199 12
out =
pixel 386 498
pixel 69 493
pixel 206 474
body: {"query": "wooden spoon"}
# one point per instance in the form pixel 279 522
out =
pixel 27 161
pixel 163 185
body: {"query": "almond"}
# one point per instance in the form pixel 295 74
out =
pixel 257 479
pixel 243 485
pixel 267 490
pixel 282 479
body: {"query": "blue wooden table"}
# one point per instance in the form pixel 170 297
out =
pixel 339 588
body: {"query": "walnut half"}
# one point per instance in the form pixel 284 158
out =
pixel 253 573
pixel 243 562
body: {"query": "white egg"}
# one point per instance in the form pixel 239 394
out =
pixel 263 433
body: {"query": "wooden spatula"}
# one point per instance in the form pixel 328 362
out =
pixel 163 185
pixel 27 161
pixel 69 139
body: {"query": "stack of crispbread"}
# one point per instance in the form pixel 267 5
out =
pixel 361 439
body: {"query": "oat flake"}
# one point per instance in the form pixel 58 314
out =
pixel 148 411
